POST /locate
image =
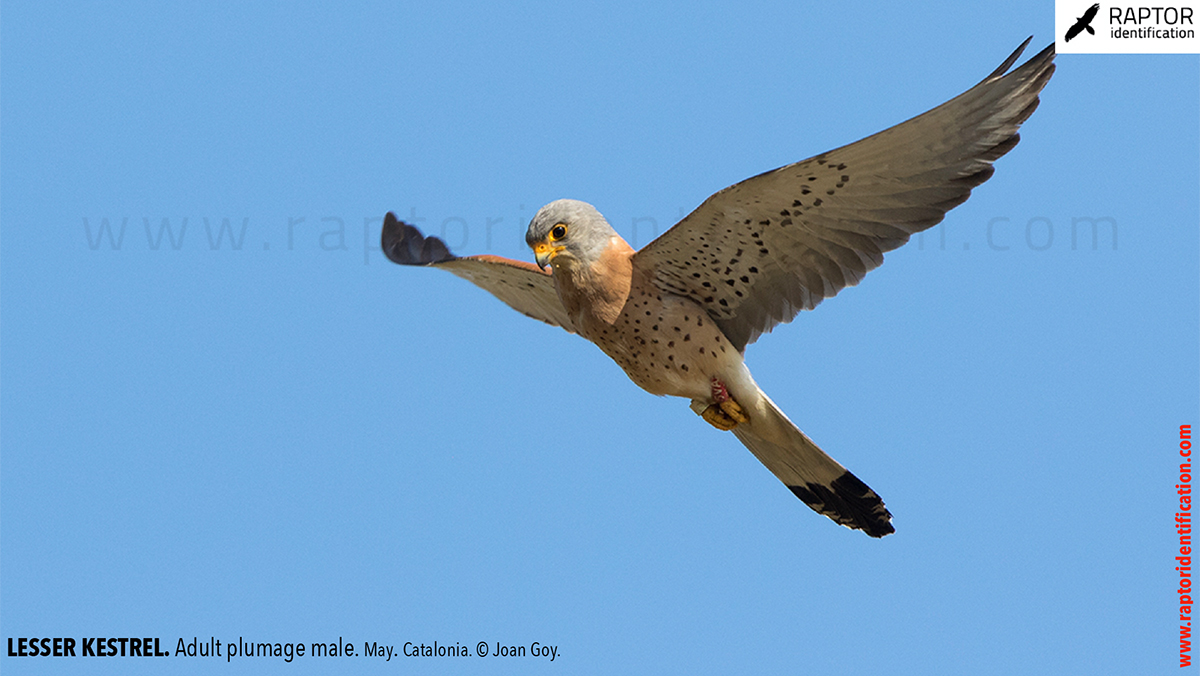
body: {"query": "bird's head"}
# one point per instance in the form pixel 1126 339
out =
pixel 567 233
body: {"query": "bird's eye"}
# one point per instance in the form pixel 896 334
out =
pixel 558 232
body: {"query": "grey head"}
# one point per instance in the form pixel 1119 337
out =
pixel 568 232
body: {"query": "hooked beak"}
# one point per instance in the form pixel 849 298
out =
pixel 544 252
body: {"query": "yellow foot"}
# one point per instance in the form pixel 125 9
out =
pixel 716 417
pixel 734 410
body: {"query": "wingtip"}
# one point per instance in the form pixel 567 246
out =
pixel 404 244
pixel 1012 58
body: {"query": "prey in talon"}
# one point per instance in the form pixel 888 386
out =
pixel 724 413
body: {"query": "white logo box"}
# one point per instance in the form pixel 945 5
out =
pixel 1169 27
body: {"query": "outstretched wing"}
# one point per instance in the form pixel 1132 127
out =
pixel 523 286
pixel 758 252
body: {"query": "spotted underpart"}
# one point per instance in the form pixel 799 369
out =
pixel 849 502
pixel 665 343
pixel 757 253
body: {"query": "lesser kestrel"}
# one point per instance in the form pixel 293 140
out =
pixel 678 314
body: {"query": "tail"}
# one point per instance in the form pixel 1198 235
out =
pixel 814 477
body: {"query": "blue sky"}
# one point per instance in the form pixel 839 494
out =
pixel 274 433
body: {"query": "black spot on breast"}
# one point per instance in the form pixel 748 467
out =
pixel 817 202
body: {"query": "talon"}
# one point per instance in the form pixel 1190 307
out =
pixel 734 410
pixel 716 416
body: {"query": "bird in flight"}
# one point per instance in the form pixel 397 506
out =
pixel 1083 23
pixel 678 314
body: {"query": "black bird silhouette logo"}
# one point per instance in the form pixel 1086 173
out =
pixel 1084 23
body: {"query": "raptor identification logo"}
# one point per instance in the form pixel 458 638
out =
pixel 1082 27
